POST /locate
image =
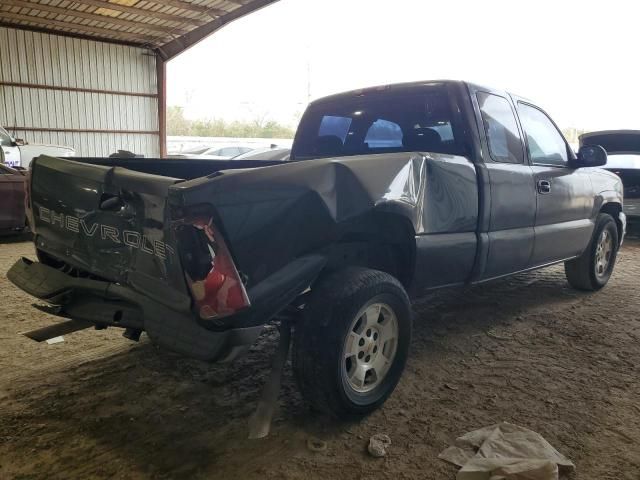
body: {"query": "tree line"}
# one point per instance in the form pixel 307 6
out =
pixel 259 127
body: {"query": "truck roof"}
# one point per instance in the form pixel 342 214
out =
pixel 413 86
pixel 406 86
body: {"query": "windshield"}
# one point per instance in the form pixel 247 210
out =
pixel 378 122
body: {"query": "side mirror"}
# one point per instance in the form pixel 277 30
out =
pixel 19 142
pixel 591 156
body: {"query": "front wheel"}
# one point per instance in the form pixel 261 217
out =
pixel 352 344
pixel 592 270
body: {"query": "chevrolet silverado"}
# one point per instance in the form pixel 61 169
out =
pixel 389 192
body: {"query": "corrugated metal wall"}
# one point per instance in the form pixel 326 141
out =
pixel 96 97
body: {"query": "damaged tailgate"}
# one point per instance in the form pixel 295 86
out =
pixel 109 221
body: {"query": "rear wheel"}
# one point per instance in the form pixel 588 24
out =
pixel 352 343
pixel 592 270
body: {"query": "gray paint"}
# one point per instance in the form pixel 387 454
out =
pixel 260 209
pixel 563 225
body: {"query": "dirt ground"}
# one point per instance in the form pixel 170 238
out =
pixel 528 350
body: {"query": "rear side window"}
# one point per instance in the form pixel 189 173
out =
pixel 503 137
pixel 335 127
pixel 379 122
pixel 546 144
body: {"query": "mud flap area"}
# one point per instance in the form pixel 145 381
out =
pixel 260 420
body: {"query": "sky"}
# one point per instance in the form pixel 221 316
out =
pixel 576 59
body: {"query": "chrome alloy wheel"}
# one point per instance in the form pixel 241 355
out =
pixel 603 253
pixel 370 347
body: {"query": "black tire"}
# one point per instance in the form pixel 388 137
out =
pixel 320 339
pixel 582 272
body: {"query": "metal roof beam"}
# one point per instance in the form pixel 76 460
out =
pixel 65 33
pixel 190 7
pixel 156 30
pixel 143 12
pixel 48 23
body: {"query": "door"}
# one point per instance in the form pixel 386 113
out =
pixel 562 226
pixel 511 187
pixel 9 149
pixel 12 191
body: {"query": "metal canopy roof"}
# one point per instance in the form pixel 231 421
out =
pixel 166 26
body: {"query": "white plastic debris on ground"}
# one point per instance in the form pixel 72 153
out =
pixel 505 452
pixel 54 340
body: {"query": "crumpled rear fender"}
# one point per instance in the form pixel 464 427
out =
pixel 275 214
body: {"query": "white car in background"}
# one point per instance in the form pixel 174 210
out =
pixel 623 159
pixel 268 154
pixel 225 152
pixel 213 153
pixel 18 153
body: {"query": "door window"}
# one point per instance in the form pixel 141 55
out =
pixel 545 143
pixel 503 137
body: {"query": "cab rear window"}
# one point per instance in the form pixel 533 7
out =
pixel 378 122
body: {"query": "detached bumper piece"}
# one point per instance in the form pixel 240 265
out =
pixel 46 283
pixel 623 222
pixel 109 304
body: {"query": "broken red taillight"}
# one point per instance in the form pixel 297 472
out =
pixel 220 291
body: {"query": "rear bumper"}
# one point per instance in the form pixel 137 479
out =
pixel 109 304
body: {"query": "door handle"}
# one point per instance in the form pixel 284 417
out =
pixel 544 186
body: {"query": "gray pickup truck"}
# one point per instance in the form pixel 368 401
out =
pixel 390 192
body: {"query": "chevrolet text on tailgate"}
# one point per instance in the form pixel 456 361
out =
pixel 390 192
pixel 105 232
